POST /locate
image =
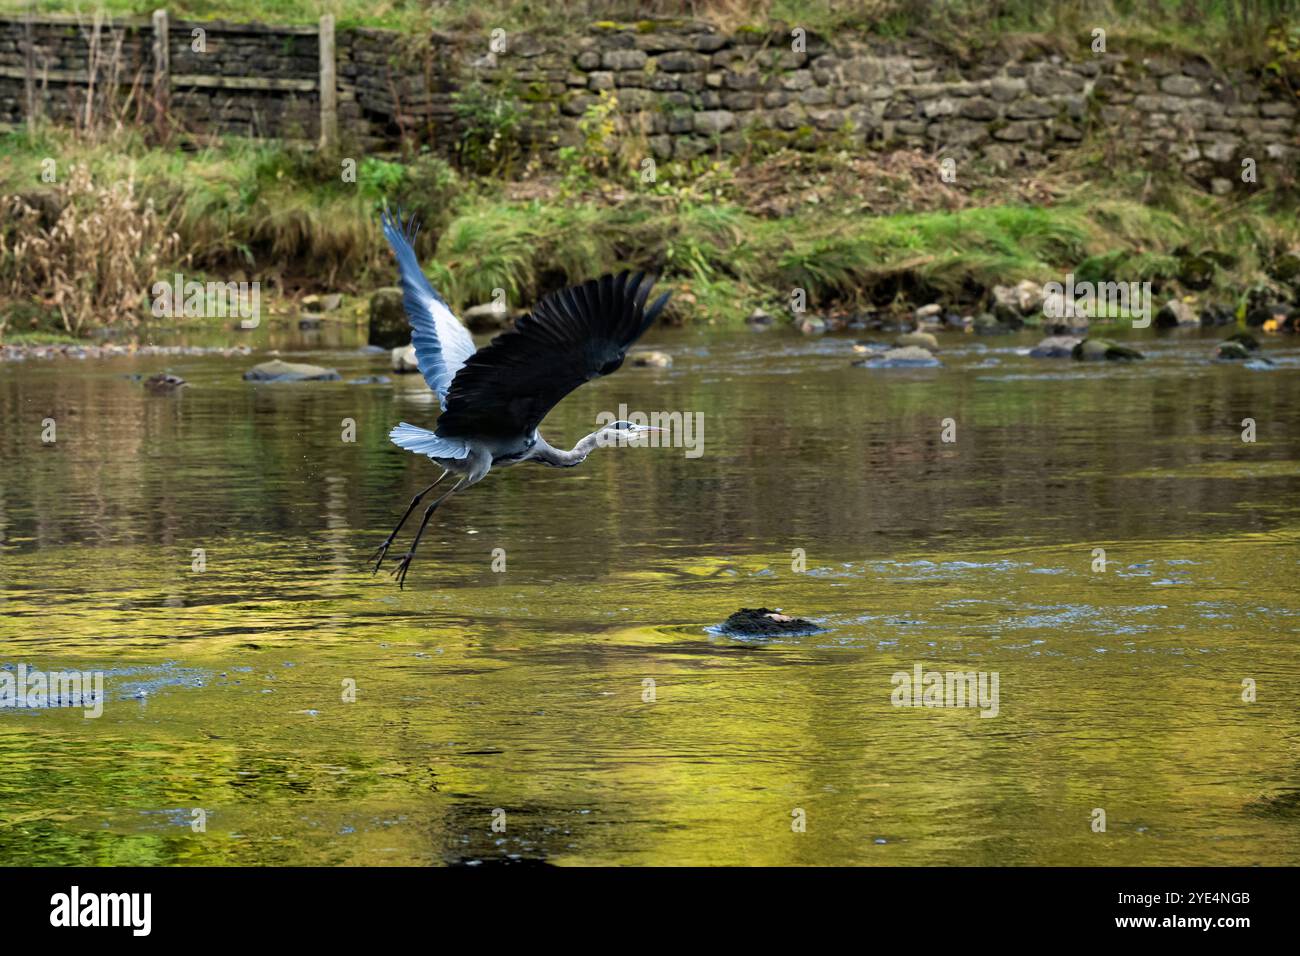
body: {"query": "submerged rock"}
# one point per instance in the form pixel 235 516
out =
pixel 764 622
pixel 911 357
pixel 652 359
pixel 1097 350
pixel 918 339
pixel 986 323
pixel 163 384
pixel 1055 346
pixel 278 371
pixel 1236 347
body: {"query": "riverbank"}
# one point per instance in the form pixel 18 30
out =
pixel 879 231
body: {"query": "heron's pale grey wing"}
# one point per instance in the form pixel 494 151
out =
pixel 424 442
pixel 507 387
pixel 442 344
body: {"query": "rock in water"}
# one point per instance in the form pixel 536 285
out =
pixel 764 622
pixel 651 359
pixel 1055 346
pixel 911 357
pixel 403 359
pixel 162 384
pixel 488 317
pixel 388 324
pixel 1176 314
pixel 277 371
pixel 923 340
pixel 1096 350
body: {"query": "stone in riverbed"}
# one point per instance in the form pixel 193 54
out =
pixel 922 340
pixel 652 359
pixel 388 324
pixel 163 384
pixel 911 357
pixel 278 371
pixel 764 622
pixel 1096 350
pixel 403 359
pixel 1176 314
pixel 322 303
pixel 1055 346
pixel 488 317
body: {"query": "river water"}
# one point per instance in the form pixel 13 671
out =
pixel 547 686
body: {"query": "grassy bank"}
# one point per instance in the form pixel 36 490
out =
pixel 1225 30
pixel 852 230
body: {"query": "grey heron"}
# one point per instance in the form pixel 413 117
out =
pixel 493 399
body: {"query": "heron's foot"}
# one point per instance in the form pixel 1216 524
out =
pixel 403 566
pixel 380 553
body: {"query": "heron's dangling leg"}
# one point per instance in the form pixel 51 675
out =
pixel 382 550
pixel 404 564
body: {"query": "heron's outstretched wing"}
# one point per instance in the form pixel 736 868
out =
pixel 424 442
pixel 442 344
pixel 573 336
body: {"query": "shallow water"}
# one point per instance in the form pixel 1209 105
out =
pixel 525 691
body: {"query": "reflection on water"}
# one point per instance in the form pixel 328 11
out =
pixel 529 691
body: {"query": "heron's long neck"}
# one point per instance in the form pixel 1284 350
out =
pixel 548 454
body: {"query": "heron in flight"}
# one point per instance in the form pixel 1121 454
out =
pixel 494 398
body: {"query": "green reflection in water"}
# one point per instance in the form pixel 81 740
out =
pixel 525 690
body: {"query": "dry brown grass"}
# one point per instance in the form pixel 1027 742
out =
pixel 95 262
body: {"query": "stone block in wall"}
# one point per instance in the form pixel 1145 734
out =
pixel 1180 85
pixel 623 59
pixel 682 62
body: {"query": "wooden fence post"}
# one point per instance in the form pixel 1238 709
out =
pixel 329 96
pixel 162 69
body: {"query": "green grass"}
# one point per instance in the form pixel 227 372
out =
pixel 284 216
pixel 1223 29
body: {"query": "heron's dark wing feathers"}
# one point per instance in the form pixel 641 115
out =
pixel 506 388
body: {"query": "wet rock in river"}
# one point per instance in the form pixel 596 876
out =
pixel 1055 346
pixel 322 303
pixel 911 357
pixel 922 340
pixel 1097 350
pixel 652 359
pixel 163 384
pixel 388 324
pixel 764 622
pixel 758 319
pixel 1216 314
pixel 488 317
pixel 403 360
pixel 812 325
pixel 278 371
pixel 1176 314
pixel 986 323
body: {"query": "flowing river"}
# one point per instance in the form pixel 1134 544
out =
pixel 548 686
